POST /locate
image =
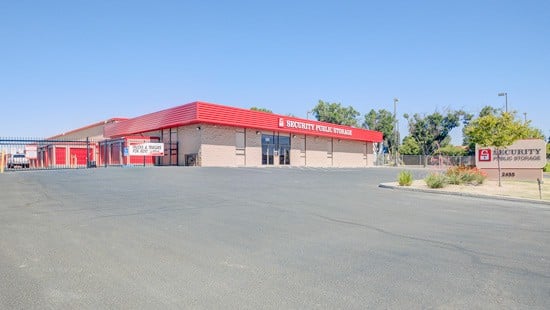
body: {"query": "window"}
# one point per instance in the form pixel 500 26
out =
pixel 239 140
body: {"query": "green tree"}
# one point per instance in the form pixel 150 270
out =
pixel 499 132
pixel 335 113
pixel 384 122
pixel 489 110
pixel 410 147
pixel 432 131
pixel 261 109
pixel 486 110
pixel 451 150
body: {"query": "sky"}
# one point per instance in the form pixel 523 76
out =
pixel 67 64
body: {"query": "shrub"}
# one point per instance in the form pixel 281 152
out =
pixel 405 178
pixel 436 180
pixel 546 167
pixel 463 174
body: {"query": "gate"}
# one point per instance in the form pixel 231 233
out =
pixel 39 154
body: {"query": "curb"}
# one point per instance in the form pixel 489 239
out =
pixel 436 191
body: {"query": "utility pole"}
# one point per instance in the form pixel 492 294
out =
pixel 395 130
pixel 505 94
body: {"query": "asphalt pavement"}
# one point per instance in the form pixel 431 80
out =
pixel 269 238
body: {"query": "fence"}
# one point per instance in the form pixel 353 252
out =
pixel 18 154
pixel 30 153
pixel 426 160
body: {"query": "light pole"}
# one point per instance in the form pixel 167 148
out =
pixel 525 116
pixel 307 114
pixel 395 130
pixel 505 94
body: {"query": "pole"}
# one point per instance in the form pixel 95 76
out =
pixel 395 131
pixel 87 152
pixel 505 94
pixel 506 100
pixel 2 162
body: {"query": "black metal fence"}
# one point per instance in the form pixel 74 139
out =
pixel 33 153
pixel 19 154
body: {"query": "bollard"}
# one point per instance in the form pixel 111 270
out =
pixel 2 161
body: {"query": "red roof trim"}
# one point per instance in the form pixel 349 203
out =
pixel 203 112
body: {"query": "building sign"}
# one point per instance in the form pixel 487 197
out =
pixel 146 149
pixel 522 160
pixel 485 154
pixel 313 127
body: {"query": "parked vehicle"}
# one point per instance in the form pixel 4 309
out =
pixel 18 160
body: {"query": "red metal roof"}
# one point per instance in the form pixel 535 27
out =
pixel 209 113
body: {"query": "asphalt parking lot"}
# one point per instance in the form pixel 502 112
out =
pixel 274 238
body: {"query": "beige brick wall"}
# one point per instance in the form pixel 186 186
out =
pixel 317 149
pixel 349 153
pixel 297 151
pixel 189 142
pixel 253 148
pixel 218 146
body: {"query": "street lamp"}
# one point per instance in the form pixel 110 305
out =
pixel 307 114
pixel 525 116
pixel 505 94
pixel 395 130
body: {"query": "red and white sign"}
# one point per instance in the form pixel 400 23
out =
pixel 485 155
pixel 316 127
pixel 146 149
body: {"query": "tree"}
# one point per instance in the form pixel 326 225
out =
pixel 261 109
pixel 486 110
pixel 335 113
pixel 451 150
pixel 432 131
pixel 410 147
pixel 499 132
pixel 489 110
pixel 384 122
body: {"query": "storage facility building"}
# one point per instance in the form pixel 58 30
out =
pixel 206 134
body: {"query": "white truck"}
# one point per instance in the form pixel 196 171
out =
pixel 18 160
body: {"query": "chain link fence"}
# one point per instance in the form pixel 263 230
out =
pixel 425 160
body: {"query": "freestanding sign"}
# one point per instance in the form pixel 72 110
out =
pixel 146 149
pixel 522 160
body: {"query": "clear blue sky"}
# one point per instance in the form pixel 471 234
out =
pixel 66 64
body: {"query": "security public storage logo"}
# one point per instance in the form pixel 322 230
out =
pixel 281 122
pixel 485 155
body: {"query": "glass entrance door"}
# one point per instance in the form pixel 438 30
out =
pixel 268 149
pixel 275 149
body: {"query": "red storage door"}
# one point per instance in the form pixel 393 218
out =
pixel 60 155
pixel 80 154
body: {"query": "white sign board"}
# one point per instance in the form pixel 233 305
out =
pixel 146 149
pixel 30 151
pixel 529 153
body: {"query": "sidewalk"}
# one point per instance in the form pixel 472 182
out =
pixel 510 190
